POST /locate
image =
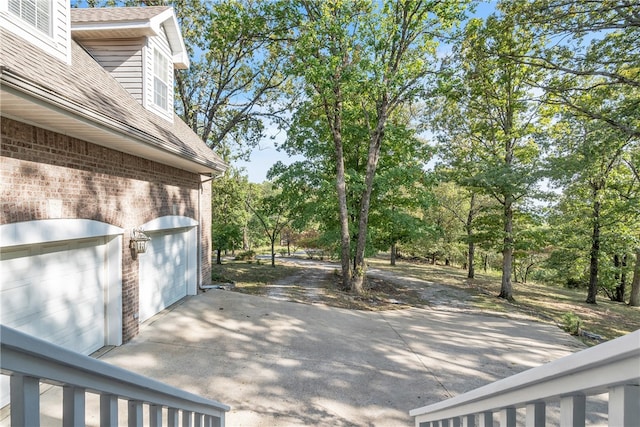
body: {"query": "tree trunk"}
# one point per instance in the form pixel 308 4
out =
pixel 621 262
pixel 375 142
pixel 345 238
pixel 634 298
pixel 218 258
pixel 506 289
pixel 245 239
pixel 471 272
pixel 273 252
pixel 393 253
pixel 485 262
pixel 595 251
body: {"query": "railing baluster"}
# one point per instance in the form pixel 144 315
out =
pixel 187 419
pixel 572 411
pixel 29 361
pixel 536 414
pixel 485 419
pixel 73 404
pixel 624 405
pixel 155 416
pixel 426 424
pixel 197 420
pixel 455 422
pixel 173 419
pixel 135 416
pixel 108 410
pixel 508 417
pixel 25 401
pixel 469 421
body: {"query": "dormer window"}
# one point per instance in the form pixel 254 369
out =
pixel 160 80
pixel 37 13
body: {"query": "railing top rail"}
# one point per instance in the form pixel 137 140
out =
pixel 26 355
pixel 591 371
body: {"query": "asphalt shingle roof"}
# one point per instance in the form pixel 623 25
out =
pixel 87 84
pixel 115 14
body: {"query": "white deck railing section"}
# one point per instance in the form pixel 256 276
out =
pixel 30 361
pixel 612 367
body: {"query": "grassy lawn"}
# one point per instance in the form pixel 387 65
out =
pixel 250 277
pixel 545 302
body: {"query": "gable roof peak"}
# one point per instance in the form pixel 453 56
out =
pixel 118 22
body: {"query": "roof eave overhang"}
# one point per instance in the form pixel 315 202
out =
pixel 44 109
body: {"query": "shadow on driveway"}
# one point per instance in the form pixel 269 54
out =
pixel 280 363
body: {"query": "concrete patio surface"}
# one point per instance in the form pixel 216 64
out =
pixel 279 363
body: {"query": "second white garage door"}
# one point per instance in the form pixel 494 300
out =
pixel 163 271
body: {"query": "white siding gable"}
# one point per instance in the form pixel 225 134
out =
pixel 123 60
pixel 158 43
pixel 57 43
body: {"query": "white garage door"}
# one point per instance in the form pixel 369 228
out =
pixel 163 271
pixel 56 292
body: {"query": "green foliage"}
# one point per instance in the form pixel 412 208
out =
pixel 571 323
pixel 246 255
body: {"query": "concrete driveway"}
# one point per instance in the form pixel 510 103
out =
pixel 280 363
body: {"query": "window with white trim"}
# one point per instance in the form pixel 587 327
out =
pixel 160 80
pixel 35 12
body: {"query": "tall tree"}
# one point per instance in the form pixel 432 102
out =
pixel 593 39
pixel 271 210
pixel 235 80
pixel 583 160
pixel 371 54
pixel 486 123
pixel 229 212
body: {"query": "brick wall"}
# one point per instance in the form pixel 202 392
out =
pixel 48 175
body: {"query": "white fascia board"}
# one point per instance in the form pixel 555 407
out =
pixel 142 27
pixel 178 48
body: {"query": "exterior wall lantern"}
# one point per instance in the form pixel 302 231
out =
pixel 138 242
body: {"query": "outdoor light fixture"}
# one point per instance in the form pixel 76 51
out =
pixel 138 243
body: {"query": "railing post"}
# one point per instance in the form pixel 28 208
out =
pixel 508 417
pixel 536 414
pixel 572 411
pixel 155 416
pixel 173 419
pixel 469 421
pixel 25 401
pixel 485 419
pixel 73 403
pixel 624 405
pixel 108 410
pixel 135 416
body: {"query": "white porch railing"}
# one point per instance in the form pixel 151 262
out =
pixel 612 367
pixel 30 361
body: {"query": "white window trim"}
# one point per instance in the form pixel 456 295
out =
pixel 47 42
pixel 165 59
pixel 37 4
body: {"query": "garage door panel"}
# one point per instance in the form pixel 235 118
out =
pixel 56 292
pixel 163 272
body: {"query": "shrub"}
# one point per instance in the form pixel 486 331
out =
pixel 571 323
pixel 246 256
